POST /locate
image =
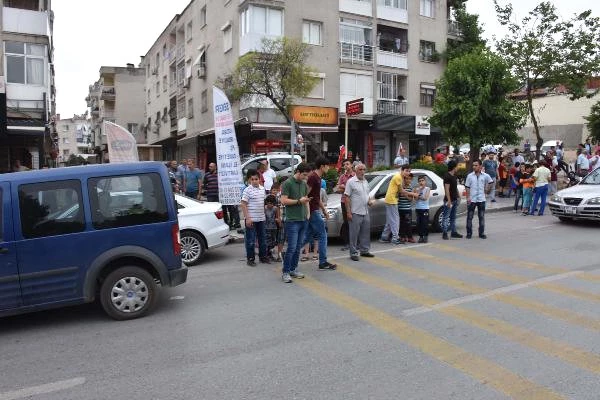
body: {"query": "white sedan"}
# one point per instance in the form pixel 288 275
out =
pixel 581 201
pixel 201 227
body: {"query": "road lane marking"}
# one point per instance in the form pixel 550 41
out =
pixel 492 273
pixel 176 297
pixel 531 305
pixel 541 227
pixel 483 370
pixel 510 261
pixel 563 351
pixel 42 389
pixel 394 247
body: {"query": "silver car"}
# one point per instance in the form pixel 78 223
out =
pixel 581 201
pixel 378 185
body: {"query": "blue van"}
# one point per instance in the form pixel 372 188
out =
pixel 71 235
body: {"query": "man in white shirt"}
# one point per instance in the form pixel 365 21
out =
pixel 477 184
pixel 269 176
pixel 583 164
pixel 517 158
pixel 542 179
pixel 401 159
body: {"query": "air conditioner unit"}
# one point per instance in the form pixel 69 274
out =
pixel 201 71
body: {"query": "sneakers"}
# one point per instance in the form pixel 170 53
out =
pixel 468 236
pixel 354 257
pixel 286 278
pixel 251 263
pixel 396 241
pixel 265 260
pixel 456 235
pixel 327 265
pixel 494 200
pixel 297 275
pixel 482 237
pixel 425 239
pixel 421 239
pixel 384 241
pixel 445 236
pixel 367 254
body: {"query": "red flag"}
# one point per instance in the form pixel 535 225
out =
pixel 341 157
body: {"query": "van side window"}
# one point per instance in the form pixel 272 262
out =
pixel 118 201
pixel 51 208
pixel 1 217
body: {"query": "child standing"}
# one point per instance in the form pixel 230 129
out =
pixel 405 206
pixel 253 206
pixel 276 191
pixel 271 219
pixel 422 208
pixel 527 182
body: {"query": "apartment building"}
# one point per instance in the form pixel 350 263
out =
pixel 384 51
pixel 118 97
pixel 74 139
pixel 27 91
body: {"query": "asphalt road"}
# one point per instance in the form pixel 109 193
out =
pixel 513 316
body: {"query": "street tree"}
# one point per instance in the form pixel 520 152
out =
pixel 472 104
pixel 545 50
pixel 470 34
pixel 277 72
pixel 593 122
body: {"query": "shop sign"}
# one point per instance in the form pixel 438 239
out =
pixel 314 115
pixel 422 126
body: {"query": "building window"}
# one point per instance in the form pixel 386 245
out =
pixel 401 4
pixel 157 121
pixel 204 101
pixel 261 20
pixel 356 41
pixel 356 85
pixel 190 108
pixel 133 128
pixel 66 153
pixel 181 107
pixel 149 95
pixel 427 51
pixel 25 63
pixel 391 86
pixel 318 92
pixel 158 62
pixel 203 16
pixel 227 39
pixel 311 32
pixel 427 8
pixel 188 31
pixel 165 83
pixel 427 94
pixel 157 88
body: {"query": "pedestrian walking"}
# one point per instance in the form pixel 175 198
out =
pixel 477 184
pixel 340 188
pixel 490 167
pixel 422 208
pixel 211 183
pixel 527 182
pixel 253 206
pixel 541 177
pixel 359 220
pixel 271 224
pixel 392 217
pixel 405 204
pixel 294 197
pixel 451 200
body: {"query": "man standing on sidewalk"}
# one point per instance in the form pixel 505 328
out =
pixel 490 167
pixel 318 213
pixel 357 206
pixel 477 184
pixel 294 197
pixel 340 188
pixel 392 218
pixel 211 183
pixel 450 202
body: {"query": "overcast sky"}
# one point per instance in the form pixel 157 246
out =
pixel 89 34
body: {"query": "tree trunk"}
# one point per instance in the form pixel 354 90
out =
pixel 536 128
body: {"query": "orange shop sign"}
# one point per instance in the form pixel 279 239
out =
pixel 314 115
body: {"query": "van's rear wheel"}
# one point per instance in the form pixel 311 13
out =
pixel 128 293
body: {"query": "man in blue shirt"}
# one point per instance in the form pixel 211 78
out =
pixel 193 180
pixel 478 183
pixel 490 167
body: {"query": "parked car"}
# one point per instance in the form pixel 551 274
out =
pixel 71 235
pixel 280 162
pixel 546 146
pixel 581 201
pixel 378 185
pixel 201 227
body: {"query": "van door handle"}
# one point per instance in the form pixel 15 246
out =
pixel 434 194
pixel 3 250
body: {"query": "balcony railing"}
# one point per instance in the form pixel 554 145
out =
pixel 394 107
pixel 392 59
pixel 454 28
pixel 180 52
pixel 108 93
pixel 352 53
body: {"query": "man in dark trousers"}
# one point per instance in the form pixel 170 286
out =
pixel 211 183
pixel 450 202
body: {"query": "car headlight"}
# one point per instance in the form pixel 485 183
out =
pixel 332 212
pixel 595 200
pixel 556 198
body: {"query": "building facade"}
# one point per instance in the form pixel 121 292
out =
pixel 74 139
pixel 27 91
pixel 384 51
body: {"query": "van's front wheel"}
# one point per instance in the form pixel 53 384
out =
pixel 128 293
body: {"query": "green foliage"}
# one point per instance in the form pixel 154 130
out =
pixel 471 103
pixel 331 177
pixel 439 169
pixel 470 32
pixel 593 122
pixel 75 160
pixel 278 73
pixel 543 49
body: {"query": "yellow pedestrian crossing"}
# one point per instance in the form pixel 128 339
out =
pixel 492 273
pixel 483 369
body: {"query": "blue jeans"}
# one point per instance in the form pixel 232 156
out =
pixel 449 218
pixel 480 216
pixel 257 230
pixel 294 232
pixel 540 192
pixel 316 229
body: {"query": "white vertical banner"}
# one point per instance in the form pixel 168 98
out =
pixel 122 146
pixel 229 166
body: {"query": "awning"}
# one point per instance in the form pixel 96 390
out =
pixel 205 132
pixel 260 126
pixel 168 140
pixel 29 127
pixel 202 50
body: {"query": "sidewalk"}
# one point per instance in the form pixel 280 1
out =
pixel 501 204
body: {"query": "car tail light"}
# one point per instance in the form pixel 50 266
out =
pixel 176 239
pixel 219 213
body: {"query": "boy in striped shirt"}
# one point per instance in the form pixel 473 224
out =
pixel 253 206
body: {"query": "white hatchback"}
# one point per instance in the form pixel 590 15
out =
pixel 581 201
pixel 201 227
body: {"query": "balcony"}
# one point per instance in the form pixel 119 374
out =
pixel 357 7
pixel 30 22
pixel 395 14
pixel 108 114
pixel 180 52
pixel 392 59
pixel 454 28
pixel 393 107
pixel 108 93
pixel 358 54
